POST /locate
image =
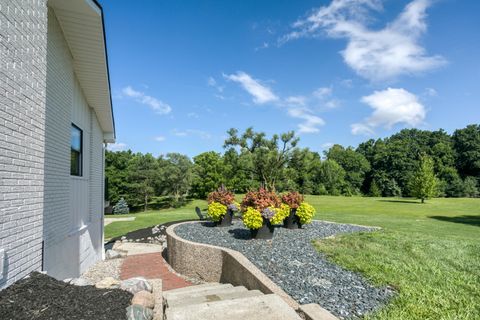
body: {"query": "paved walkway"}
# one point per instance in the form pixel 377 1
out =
pixel 151 266
pixel 107 221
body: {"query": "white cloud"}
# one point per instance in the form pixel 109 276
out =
pixel 117 146
pixel 193 115
pixel 431 92
pixel 390 107
pixel 192 132
pixel 261 93
pixel 296 100
pixel 311 122
pixel 160 138
pixel 213 83
pixel 361 129
pixel 155 104
pixel 381 54
pixel 322 92
pixel 327 145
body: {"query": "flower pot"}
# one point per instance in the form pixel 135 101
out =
pixel 292 221
pixel 265 231
pixel 226 220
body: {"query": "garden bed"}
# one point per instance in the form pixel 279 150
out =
pixel 292 262
pixel 41 297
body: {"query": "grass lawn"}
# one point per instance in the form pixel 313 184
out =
pixel 151 218
pixel 429 252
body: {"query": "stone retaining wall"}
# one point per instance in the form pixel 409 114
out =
pixel 216 264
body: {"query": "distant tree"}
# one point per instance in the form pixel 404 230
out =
pixel 121 207
pixel 266 158
pixel 466 143
pixel 374 190
pixel 470 188
pixel 142 178
pixel 176 176
pixel 424 183
pixel 330 177
pixel 207 173
pixel 116 173
pixel 299 173
pixel 354 163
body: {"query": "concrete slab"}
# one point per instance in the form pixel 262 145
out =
pixel 158 296
pixel 107 221
pixel 207 291
pixel 313 311
pixel 198 290
pixel 266 307
pixel 132 248
pixel 212 297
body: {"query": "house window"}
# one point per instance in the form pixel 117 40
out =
pixel 76 141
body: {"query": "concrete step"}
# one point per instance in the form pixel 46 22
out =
pixel 203 293
pixel 214 296
pixel 195 289
pixel 265 307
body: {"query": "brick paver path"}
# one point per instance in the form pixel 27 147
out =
pixel 151 266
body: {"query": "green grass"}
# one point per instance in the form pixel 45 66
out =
pixel 429 252
pixel 150 218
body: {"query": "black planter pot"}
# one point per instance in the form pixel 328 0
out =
pixel 226 220
pixel 292 221
pixel 265 232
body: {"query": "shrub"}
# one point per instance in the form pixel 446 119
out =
pixel 121 207
pixel 305 213
pixel 252 218
pixel 260 200
pixel 293 199
pixel 281 214
pixel 216 211
pixel 221 195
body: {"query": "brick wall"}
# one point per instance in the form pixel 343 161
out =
pixel 23 43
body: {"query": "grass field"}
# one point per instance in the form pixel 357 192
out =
pixel 429 252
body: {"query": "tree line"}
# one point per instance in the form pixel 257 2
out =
pixel 382 167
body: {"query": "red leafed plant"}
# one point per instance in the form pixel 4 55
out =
pixel 293 199
pixel 261 199
pixel 221 195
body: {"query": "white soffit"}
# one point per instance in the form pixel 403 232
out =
pixel 82 26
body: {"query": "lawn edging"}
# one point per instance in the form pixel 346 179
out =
pixel 216 264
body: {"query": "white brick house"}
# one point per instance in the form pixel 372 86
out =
pixel 55 118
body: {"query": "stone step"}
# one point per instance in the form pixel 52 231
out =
pixel 205 292
pixel 213 296
pixel 195 289
pixel 265 307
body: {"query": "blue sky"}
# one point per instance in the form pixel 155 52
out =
pixel 342 71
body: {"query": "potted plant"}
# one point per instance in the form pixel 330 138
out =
pixel 262 210
pixel 221 206
pixel 301 213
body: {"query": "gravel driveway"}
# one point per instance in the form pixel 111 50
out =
pixel 292 262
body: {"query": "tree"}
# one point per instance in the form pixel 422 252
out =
pixel 176 176
pixel 354 163
pixel 424 183
pixel 116 173
pixel 142 178
pixel 265 158
pixel 466 143
pixel 330 177
pixel 207 173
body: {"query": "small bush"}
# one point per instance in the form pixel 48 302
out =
pixel 121 207
pixel 261 199
pixel 282 213
pixel 293 199
pixel 216 211
pixel 221 195
pixel 305 213
pixel 252 218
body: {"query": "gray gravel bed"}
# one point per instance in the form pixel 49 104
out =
pixel 292 262
pixel 103 269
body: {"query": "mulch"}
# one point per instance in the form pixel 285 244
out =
pixel 40 297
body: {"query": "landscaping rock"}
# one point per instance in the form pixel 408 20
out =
pixel 80 282
pixel 134 285
pixel 138 312
pixel 144 298
pixel 108 283
pixel 292 262
pixel 112 254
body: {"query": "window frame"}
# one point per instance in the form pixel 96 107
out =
pixel 80 152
